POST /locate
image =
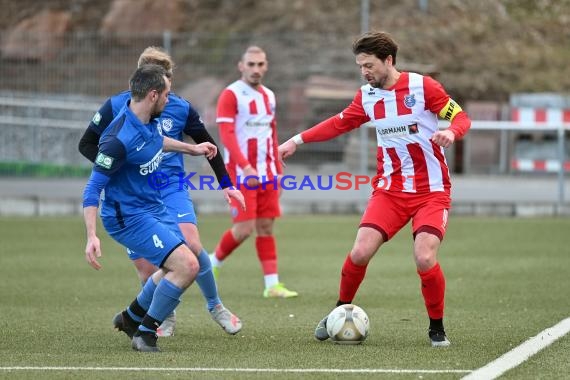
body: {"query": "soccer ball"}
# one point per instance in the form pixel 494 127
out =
pixel 348 324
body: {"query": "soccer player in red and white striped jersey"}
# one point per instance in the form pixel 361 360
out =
pixel 412 179
pixel 246 118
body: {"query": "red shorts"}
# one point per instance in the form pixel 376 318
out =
pixel 261 202
pixel 389 211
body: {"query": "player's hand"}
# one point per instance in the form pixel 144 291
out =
pixel 230 193
pixel 252 178
pixel 93 251
pixel 443 138
pixel 285 150
pixel 207 149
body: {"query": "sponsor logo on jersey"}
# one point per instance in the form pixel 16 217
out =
pixel 410 100
pixel 413 129
pixel 258 124
pixel 152 165
pixel 104 161
pixel 401 130
pixel 167 124
pixel 96 118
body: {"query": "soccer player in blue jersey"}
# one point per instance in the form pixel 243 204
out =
pixel 177 119
pixel 133 213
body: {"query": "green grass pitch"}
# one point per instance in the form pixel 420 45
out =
pixel 507 280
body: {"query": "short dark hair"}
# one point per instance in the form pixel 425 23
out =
pixel 146 79
pixel 380 44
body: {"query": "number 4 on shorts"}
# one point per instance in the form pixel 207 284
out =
pixel 157 242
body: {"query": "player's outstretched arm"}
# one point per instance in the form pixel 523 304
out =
pixel 199 134
pixel 204 149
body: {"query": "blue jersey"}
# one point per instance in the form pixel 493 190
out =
pixel 129 151
pixel 178 117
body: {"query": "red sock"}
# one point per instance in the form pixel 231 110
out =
pixel 433 290
pixel 351 277
pixel 267 254
pixel 226 245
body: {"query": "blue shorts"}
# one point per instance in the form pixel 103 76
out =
pixel 179 204
pixel 149 236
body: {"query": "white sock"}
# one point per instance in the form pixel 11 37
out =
pixel 271 280
pixel 214 260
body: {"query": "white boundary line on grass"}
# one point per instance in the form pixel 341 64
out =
pixel 521 353
pixel 492 370
pixel 275 370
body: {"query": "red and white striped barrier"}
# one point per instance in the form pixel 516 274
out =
pixel 540 115
pixel 547 166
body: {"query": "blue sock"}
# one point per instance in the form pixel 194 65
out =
pixel 144 298
pixel 166 298
pixel 206 281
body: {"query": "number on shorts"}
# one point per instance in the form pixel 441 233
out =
pixel 157 242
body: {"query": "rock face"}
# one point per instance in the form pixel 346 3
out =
pixel 483 50
pixel 203 94
pixel 37 38
pixel 128 17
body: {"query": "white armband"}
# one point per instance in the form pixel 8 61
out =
pixel 297 139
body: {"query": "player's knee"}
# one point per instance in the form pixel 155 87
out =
pixel 264 226
pixel 184 266
pixel 193 266
pixel 426 246
pixel 243 233
pixel 266 230
pixel 360 255
pixel 144 269
pixel 189 270
pixel 425 259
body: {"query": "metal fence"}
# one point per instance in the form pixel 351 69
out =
pixel 35 128
pixel 47 101
pixel 99 66
pixel 311 83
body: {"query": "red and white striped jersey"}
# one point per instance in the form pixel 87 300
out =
pixel 248 130
pixel 407 159
pixel 405 118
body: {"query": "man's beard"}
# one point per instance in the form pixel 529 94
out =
pixel 156 113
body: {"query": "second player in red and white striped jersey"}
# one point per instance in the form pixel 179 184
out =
pixel 246 120
pixel 246 116
pixel 405 118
